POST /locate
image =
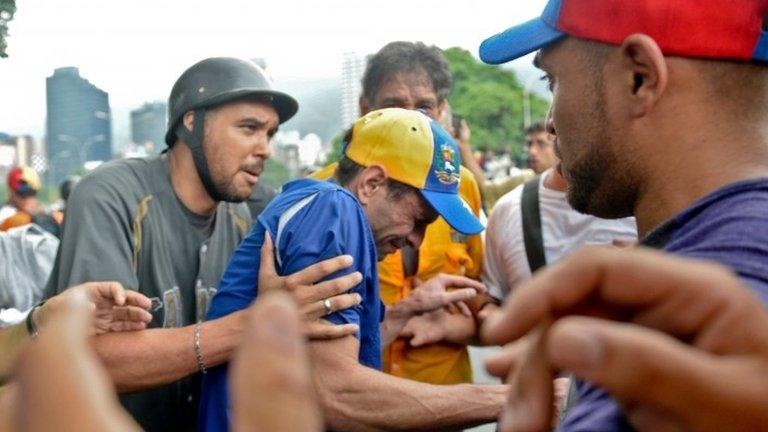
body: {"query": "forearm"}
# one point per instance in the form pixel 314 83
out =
pixel 13 340
pixel 150 358
pixel 469 162
pixel 8 407
pixel 460 329
pixel 395 318
pixel 368 400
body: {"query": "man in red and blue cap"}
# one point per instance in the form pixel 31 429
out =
pixel 659 108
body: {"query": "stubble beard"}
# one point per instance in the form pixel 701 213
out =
pixel 598 184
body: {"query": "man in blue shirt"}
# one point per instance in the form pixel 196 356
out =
pixel 659 109
pixel 398 173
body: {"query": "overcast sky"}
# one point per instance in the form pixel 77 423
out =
pixel 135 49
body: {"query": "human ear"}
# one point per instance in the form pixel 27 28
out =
pixel 189 120
pixel 373 181
pixel 647 67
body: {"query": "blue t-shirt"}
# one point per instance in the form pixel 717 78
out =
pixel 730 227
pixel 326 221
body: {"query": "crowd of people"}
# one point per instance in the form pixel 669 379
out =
pixel 623 272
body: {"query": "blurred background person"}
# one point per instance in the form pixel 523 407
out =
pixel 23 206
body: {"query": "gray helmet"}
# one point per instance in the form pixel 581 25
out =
pixel 211 82
pixel 217 80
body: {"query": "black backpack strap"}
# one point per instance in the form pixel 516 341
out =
pixel 534 241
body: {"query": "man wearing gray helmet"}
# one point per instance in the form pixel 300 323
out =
pixel 167 226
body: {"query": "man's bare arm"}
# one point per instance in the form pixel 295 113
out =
pixel 154 357
pixel 357 398
pixel 150 358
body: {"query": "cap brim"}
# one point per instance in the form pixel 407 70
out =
pixel 455 211
pixel 518 41
pixel 285 105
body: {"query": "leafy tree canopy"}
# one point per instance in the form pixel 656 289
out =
pixel 491 100
pixel 7 9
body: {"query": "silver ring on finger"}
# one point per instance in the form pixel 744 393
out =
pixel 327 306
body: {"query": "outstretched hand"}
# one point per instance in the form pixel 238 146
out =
pixel 114 308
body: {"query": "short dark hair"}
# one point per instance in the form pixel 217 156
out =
pixel 407 57
pixel 536 127
pixel 349 169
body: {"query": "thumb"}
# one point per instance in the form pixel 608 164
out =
pixel 635 364
pixel 267 262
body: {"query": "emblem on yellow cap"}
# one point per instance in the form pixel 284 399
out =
pixel 445 167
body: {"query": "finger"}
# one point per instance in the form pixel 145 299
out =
pixel 624 358
pixel 267 257
pixel 505 362
pixel 318 310
pixel 111 291
pixel 117 293
pixel 464 309
pixel 485 313
pixel 131 314
pixel 322 331
pixel 531 394
pixel 125 326
pixel 316 272
pixel 135 298
pixel 453 309
pixel 434 301
pixel 406 332
pixel 274 341
pixel 460 295
pixel 419 339
pixel 611 282
pixel 329 288
pixel 449 280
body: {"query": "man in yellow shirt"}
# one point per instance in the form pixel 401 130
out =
pixel 433 346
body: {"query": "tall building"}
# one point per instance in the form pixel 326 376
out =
pixel 79 124
pixel 148 126
pixel 352 69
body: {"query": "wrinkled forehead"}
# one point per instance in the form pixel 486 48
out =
pixel 410 80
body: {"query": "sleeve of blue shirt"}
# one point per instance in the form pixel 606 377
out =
pixel 332 224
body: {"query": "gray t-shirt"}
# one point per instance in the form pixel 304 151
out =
pixel 125 223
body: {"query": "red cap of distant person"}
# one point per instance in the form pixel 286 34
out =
pixel 707 29
pixel 23 179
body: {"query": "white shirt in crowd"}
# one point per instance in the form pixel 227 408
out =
pixel 564 230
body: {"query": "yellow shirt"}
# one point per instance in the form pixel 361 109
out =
pixel 442 251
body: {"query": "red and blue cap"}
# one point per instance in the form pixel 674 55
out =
pixel 24 180
pixel 707 29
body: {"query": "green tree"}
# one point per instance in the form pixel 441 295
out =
pixel 335 153
pixel 275 174
pixel 491 100
pixel 7 9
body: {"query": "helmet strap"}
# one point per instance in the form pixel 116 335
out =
pixel 194 140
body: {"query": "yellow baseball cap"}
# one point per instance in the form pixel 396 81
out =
pixel 418 152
